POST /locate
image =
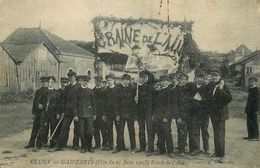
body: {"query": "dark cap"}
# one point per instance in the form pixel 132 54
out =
pixel 156 80
pixel 52 78
pixel 98 78
pixel 183 75
pixel 215 71
pixel 71 73
pixel 44 79
pixel 85 78
pixel 252 78
pixel 64 80
pixel 109 77
pixel 173 75
pixel 126 76
pixel 136 47
pixel 79 77
pixel 143 73
pixel 164 78
pixel 199 73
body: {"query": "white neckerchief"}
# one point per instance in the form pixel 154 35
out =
pixel 198 86
pixel 51 88
pixel 98 87
pixel 73 83
pixel 111 86
pixel 84 87
pixel 164 87
pixel 215 89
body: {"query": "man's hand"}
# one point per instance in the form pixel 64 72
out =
pixel 33 116
pixel 117 118
pixel 58 116
pixel 153 118
pixel 40 106
pixel 76 118
pixel 165 120
pixel 62 114
pixel 179 120
pixel 94 117
pixel 104 118
pixel 221 84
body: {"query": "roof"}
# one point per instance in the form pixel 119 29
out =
pixel 24 40
pixel 89 46
pixel 248 58
pixel 243 50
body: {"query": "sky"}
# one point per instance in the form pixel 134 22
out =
pixel 219 25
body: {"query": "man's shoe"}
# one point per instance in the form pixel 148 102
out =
pixel 108 148
pixel 28 146
pixel 149 153
pixel 246 138
pixel 116 151
pixel 83 150
pixel 133 150
pixel 159 152
pixel 194 153
pixel 36 149
pixel 90 150
pixel 206 152
pixel 140 150
pixel 75 147
pixel 222 160
pixel 181 154
pixel 44 145
pixel 214 155
pixel 124 149
pixel 253 139
pixel 97 147
pixel 171 155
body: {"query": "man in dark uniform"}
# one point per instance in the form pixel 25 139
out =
pixel 36 112
pixel 49 115
pixel 144 113
pixel 111 114
pixel 86 114
pixel 252 109
pixel 64 81
pixel 163 117
pixel 99 124
pixel 198 114
pixel 219 97
pixel 182 115
pixel 70 113
pixel 126 94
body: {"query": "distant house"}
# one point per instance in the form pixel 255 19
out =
pixel 37 52
pixel 246 67
pixel 239 53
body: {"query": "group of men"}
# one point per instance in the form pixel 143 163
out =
pixel 153 103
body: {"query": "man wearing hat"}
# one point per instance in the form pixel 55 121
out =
pixel 64 82
pixel 86 113
pixel 50 114
pixel 135 50
pixel 36 112
pixel 144 112
pixel 126 94
pixel 218 97
pixel 163 117
pixel 111 114
pixel 198 115
pixel 181 114
pixel 252 110
pixel 99 124
pixel 69 113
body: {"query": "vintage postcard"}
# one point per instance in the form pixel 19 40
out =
pixel 130 83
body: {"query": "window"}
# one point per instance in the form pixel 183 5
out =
pixel 249 70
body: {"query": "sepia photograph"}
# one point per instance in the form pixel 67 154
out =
pixel 129 83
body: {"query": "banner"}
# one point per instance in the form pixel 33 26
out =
pixel 158 43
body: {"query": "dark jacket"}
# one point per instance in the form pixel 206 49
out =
pixel 126 101
pixel 70 103
pixel 144 105
pixel 99 100
pixel 85 107
pixel 61 100
pixel 111 103
pixel 36 101
pixel 183 102
pixel 173 101
pixel 218 103
pixel 252 105
pixel 197 107
pixel 161 105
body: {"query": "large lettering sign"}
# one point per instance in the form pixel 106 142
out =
pixel 159 43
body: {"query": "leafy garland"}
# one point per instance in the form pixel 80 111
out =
pixel 186 25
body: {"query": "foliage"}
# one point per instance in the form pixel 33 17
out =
pixel 16 97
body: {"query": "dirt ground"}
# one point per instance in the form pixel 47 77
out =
pixel 15 123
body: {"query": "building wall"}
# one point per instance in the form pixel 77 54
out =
pixel 8 73
pixel 78 64
pixel 252 68
pixel 39 63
